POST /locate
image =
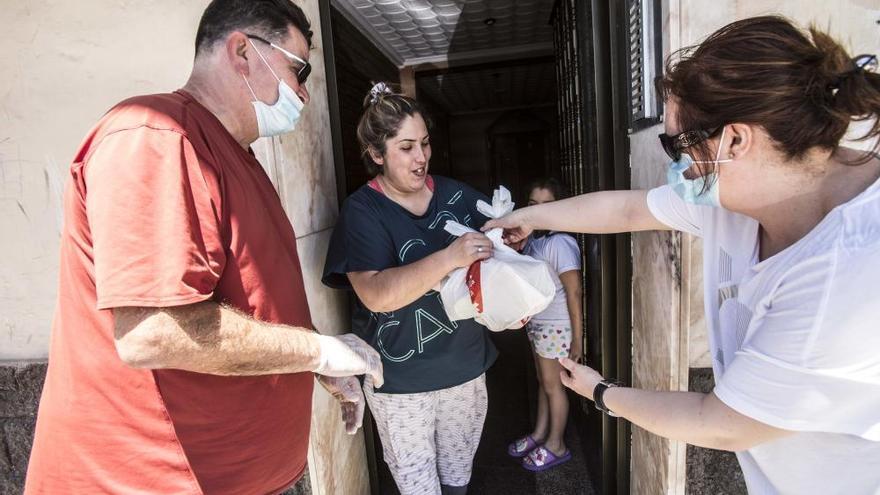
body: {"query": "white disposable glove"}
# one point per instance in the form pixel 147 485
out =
pixel 347 391
pixel 348 355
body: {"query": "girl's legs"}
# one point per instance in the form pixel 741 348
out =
pixel 557 400
pixel 542 419
pixel 550 342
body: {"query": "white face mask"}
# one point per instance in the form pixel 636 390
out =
pixel 702 190
pixel 280 117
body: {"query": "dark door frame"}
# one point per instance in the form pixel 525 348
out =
pixel 610 65
pixel 332 97
pixel 596 133
pixel 602 28
pixel 341 188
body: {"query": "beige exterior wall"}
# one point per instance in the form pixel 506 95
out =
pixel 65 64
pixel 852 22
pixel 669 330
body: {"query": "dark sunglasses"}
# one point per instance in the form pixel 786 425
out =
pixel 302 75
pixel 673 145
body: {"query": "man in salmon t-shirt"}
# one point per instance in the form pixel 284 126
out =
pixel 182 353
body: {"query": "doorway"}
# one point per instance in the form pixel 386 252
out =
pixel 522 150
pixel 508 115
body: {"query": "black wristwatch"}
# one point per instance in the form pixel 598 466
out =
pixel 599 391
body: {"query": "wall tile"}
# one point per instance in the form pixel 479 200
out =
pixel 301 162
pixel 658 357
pixel 337 461
pixel 302 168
pixel 657 463
pixel 329 307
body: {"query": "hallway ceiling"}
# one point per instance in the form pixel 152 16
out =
pixel 418 32
pixel 514 86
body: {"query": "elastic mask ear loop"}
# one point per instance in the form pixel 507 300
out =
pixel 250 88
pixel 264 60
pixel 717 153
pixel 720 145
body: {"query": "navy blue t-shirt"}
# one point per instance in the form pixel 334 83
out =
pixel 421 349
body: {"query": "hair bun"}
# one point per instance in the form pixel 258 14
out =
pixel 377 91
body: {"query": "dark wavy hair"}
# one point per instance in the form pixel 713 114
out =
pixel 801 87
pixel 267 18
pixel 383 115
pixel 552 184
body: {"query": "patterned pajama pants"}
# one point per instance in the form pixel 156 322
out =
pixel 430 438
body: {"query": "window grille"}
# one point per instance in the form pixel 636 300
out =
pixel 645 62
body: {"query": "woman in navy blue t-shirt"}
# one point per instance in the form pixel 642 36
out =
pixel 389 245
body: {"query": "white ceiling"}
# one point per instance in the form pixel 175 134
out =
pixel 414 32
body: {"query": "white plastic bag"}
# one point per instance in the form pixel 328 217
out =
pixel 501 292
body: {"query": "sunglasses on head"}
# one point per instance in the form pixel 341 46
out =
pixel 302 74
pixel 673 145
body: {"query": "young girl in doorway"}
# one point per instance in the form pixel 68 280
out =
pixel 555 333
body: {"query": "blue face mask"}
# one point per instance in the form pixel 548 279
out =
pixel 702 190
pixel 280 117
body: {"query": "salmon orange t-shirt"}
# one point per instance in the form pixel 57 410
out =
pixel 164 208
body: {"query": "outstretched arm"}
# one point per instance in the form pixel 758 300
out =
pixel 603 212
pixel 695 418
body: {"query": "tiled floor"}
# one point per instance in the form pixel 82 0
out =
pixel 511 385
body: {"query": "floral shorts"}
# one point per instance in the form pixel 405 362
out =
pixel 550 340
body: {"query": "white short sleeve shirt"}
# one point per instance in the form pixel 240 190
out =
pixel 795 340
pixel 562 253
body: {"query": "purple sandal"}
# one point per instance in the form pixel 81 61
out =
pixel 542 459
pixel 521 447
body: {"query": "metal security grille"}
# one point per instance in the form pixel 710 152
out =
pixel 572 94
pixel 643 39
pixel 573 57
pixel 591 43
pixel 576 114
pixel 576 128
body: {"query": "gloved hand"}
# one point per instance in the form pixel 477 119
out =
pixel 348 355
pixel 347 391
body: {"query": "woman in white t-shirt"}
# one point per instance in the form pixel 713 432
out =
pixel 556 332
pixel 790 222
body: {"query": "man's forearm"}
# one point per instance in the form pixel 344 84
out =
pixel 214 339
